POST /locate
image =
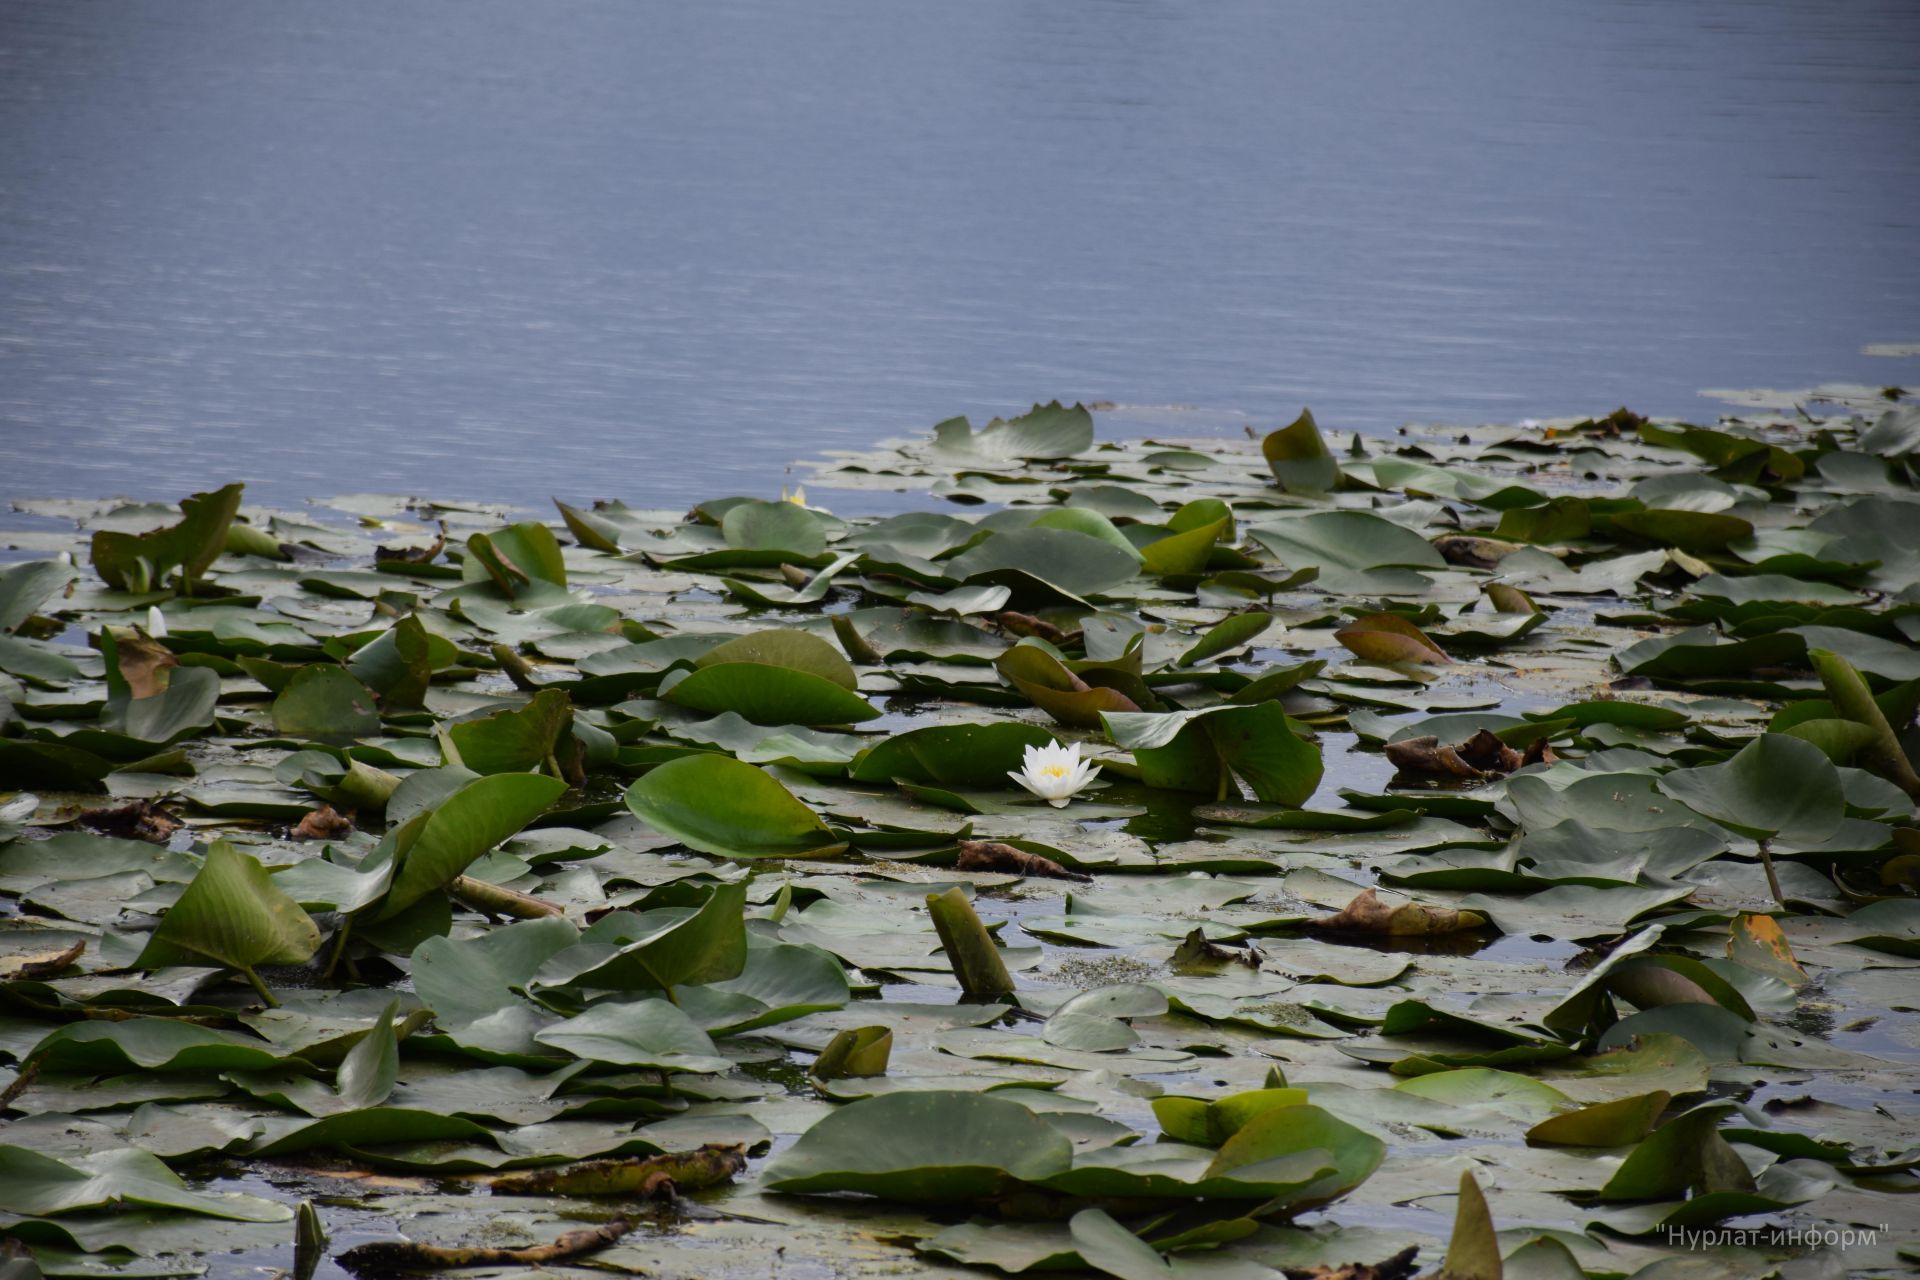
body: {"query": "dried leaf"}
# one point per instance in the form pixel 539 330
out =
pixel 1474 553
pixel 1025 624
pixel 648 1178
pixel 324 823
pixel 1399 1267
pixel 991 855
pixel 404 1255
pixel 1368 914
pixel 40 964
pixel 141 820
pixel 1483 755
pixel 1758 944
pixel 143 662
pixel 1195 952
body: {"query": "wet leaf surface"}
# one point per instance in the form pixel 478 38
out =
pixel 1525 811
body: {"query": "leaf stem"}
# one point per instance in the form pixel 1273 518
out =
pixel 260 988
pixel 1773 879
pixel 339 947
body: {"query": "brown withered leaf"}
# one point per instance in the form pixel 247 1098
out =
pixel 1398 1267
pixel 1485 752
pixel 413 555
pixel 1481 756
pixel 1428 758
pixel 991 855
pixel 143 663
pixel 1368 914
pixel 403 1255
pixel 1195 952
pixel 140 820
pixel 40 964
pixel 648 1178
pixel 324 823
pixel 1025 624
pixel 1474 552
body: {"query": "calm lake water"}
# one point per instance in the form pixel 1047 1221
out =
pixel 506 250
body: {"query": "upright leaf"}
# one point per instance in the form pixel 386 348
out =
pixel 232 915
pixel 1299 458
pixel 465 825
pixel 141 561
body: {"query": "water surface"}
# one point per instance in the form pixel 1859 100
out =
pixel 596 248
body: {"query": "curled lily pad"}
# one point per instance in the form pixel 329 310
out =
pixel 1203 750
pixel 36 1184
pixel 1388 637
pixel 1036 669
pixel 514 739
pixel 429 850
pixel 774 526
pixel 141 561
pixel 25 587
pixel 1298 456
pixel 1045 431
pixel 516 559
pixel 232 915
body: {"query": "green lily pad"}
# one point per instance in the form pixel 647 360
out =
pixel 716 804
pixel 232 915
pixel 325 704
pixel 1045 431
pixel 950 755
pixel 1776 786
pixel 1198 750
pixel 767 694
pixel 644 1033
pixel 931 1147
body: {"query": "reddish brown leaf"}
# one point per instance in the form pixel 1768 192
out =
pixel 1399 1267
pixel 1195 952
pixel 323 823
pixel 1483 755
pixel 141 820
pixel 40 964
pixel 991 855
pixel 1367 914
pixel 143 663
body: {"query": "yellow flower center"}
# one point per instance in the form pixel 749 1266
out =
pixel 1054 770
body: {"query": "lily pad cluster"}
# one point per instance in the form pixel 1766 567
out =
pixel 1493 843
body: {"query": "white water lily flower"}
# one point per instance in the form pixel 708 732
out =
pixel 1054 772
pixel 156 622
